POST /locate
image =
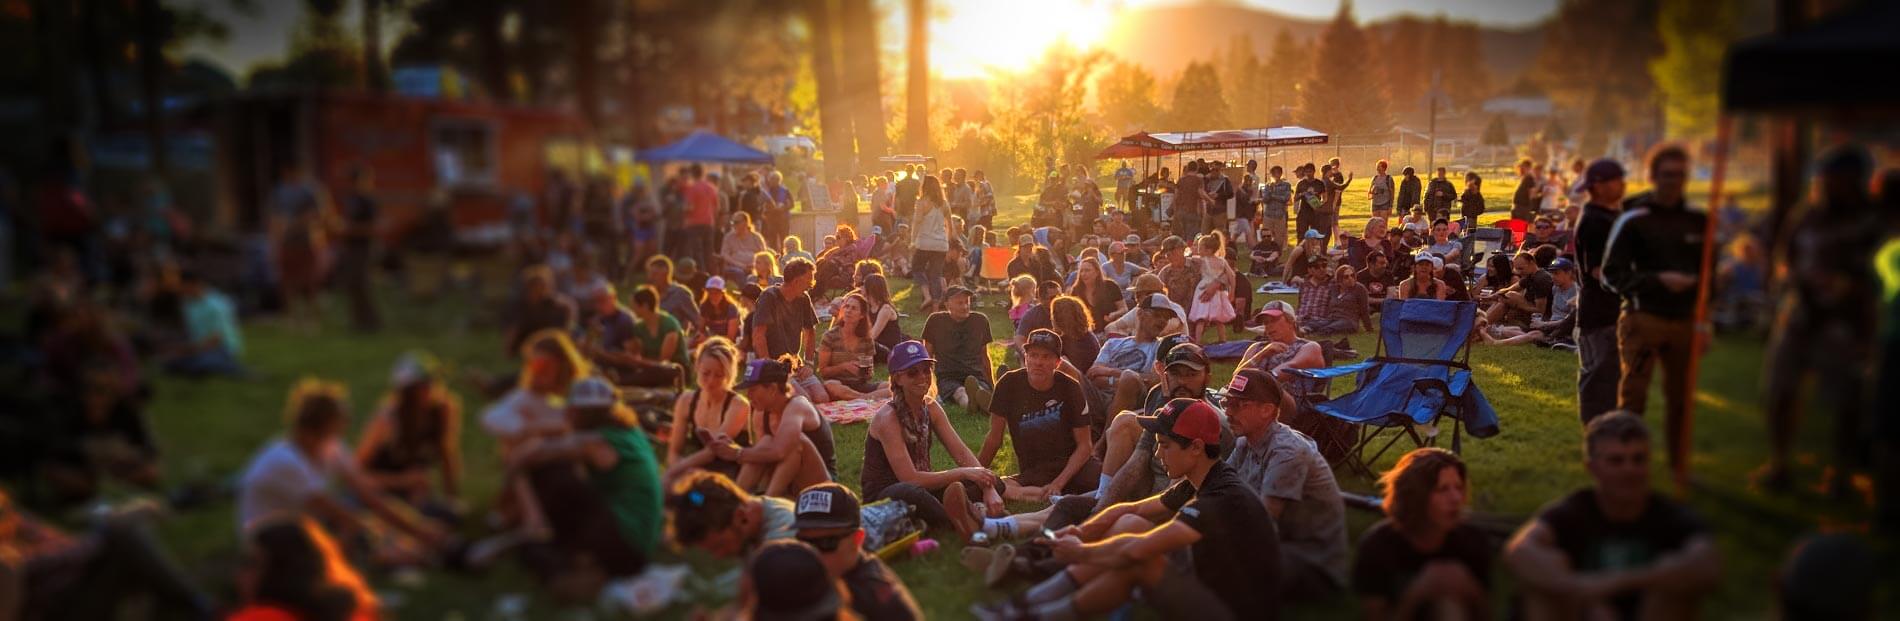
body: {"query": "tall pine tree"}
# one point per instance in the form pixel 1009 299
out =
pixel 1198 104
pixel 1286 68
pixel 1125 96
pixel 1408 70
pixel 1343 96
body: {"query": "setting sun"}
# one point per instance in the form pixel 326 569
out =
pixel 974 37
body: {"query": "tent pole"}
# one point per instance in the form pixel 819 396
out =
pixel 1702 335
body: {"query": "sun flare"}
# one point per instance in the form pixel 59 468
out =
pixel 972 38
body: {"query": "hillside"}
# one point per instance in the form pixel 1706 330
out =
pixel 1166 38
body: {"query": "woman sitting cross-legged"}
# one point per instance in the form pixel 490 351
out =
pixel 897 451
pixel 418 428
pixel 847 352
pixel 713 411
pixel 794 449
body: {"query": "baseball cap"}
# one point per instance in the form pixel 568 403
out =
pixel 1025 240
pixel 1185 419
pixel 1189 354
pixel 1173 242
pixel 1313 234
pixel 1159 301
pixel 826 505
pixel 1147 283
pixel 764 372
pixel 956 290
pixel 1563 263
pixel 1276 308
pixel 1044 338
pixel 877 229
pixel 907 354
pixel 413 367
pixel 1132 240
pixel 715 283
pixel 790 582
pixel 1254 385
pixel 592 392
pixel 1167 343
pixel 1603 169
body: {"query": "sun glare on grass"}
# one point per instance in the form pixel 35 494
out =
pixel 972 38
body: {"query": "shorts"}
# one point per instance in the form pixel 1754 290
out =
pixel 1181 595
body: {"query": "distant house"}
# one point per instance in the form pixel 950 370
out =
pixel 1523 107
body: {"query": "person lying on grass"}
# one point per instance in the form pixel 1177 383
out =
pixel 897 452
pixel 707 511
pixel 794 449
pixel 1141 549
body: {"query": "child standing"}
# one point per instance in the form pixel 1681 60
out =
pixel 1213 304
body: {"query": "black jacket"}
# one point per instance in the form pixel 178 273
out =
pixel 1438 196
pixel 1597 305
pixel 1408 193
pixel 1651 237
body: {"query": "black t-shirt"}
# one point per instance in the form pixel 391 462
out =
pixel 785 321
pixel 906 196
pixel 1387 563
pixel 554 311
pixel 960 347
pixel 1376 281
pixel 1523 207
pixel 1036 317
pixel 1081 350
pixel 1041 422
pixel 1238 556
pixel 877 594
pixel 1592 543
pixel 1536 288
pixel 1597 305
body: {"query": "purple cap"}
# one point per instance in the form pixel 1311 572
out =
pixel 908 354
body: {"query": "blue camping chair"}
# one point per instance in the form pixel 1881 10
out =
pixel 1419 374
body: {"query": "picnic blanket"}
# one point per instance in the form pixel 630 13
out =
pixel 1230 350
pixel 849 412
pixel 1276 287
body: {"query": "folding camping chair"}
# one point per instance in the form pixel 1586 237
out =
pixel 993 272
pixel 1420 374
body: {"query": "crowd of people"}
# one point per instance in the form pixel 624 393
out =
pixel 674 377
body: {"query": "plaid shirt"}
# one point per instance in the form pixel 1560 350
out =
pixel 1316 299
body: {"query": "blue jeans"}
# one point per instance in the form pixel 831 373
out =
pixel 926 266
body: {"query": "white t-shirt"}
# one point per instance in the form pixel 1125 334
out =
pixel 521 412
pixel 280 479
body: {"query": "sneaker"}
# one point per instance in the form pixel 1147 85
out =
pixel 1564 346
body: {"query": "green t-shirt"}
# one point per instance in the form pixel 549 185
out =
pixel 651 342
pixel 632 488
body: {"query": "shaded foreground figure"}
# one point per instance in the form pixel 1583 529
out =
pixel 1199 551
pixel 293 571
pixel 46 573
pixel 1616 549
pixel 1423 560
pixel 828 520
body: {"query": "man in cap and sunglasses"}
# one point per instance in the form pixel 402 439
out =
pixel 1199 550
pixel 828 520
pixel 1132 470
pixel 1284 350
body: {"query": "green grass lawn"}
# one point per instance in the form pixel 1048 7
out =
pixel 209 429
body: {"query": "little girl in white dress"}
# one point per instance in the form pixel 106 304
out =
pixel 1213 297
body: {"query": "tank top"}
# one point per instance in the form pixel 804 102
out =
pixel 409 449
pixel 930 232
pixel 892 334
pixel 631 488
pixel 820 437
pixel 1299 385
pixel 877 473
pixel 692 445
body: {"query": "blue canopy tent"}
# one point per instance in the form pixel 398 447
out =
pixel 705 146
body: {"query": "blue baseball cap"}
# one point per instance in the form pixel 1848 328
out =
pixel 908 354
pixel 1563 263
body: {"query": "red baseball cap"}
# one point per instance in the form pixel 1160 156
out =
pixel 1186 420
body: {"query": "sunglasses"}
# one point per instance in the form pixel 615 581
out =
pixel 825 544
pixel 921 370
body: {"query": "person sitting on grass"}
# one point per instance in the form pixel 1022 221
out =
pixel 1124 323
pixel 298 475
pixel 1124 369
pixel 417 428
pixel 1022 297
pixel 897 452
pixel 959 338
pixel 1141 549
pixel 1045 414
pixel 1515 305
pixel 719 313
pixel 1555 330
pixel 675 299
pixel 618 340
pixel 1616 549
pixel 740 245
pixel 47 573
pixel 707 511
pixel 1285 467
pixel 529 410
pixel 828 520
pixel 213 342
pixel 293 570
pixel 606 523
pixel 847 353
pixel 1037 317
pixel 1350 311
pixel 714 410
pixel 765 269
pixel 788 579
pixel 538 308
pixel 1128 451
pixel 1284 350
pixel 1424 560
pixel 1424 283
pixel 794 448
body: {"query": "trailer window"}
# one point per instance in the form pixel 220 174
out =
pixel 464 153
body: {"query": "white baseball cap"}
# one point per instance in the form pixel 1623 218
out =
pixel 592 392
pixel 715 283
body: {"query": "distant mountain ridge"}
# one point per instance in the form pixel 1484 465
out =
pixel 1164 39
